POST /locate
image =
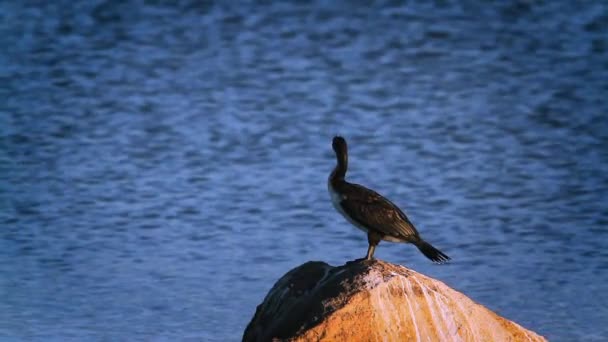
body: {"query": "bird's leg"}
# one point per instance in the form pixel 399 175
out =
pixel 370 252
pixel 373 239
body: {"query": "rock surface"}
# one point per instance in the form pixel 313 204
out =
pixel 373 300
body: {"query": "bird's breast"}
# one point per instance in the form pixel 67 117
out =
pixel 336 200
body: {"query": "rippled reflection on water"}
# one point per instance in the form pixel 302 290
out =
pixel 163 165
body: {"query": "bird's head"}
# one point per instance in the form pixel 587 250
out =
pixel 339 145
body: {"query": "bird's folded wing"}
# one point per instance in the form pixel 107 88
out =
pixel 379 214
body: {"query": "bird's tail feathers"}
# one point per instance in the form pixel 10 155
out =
pixel 431 252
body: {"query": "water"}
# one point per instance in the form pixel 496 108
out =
pixel 163 165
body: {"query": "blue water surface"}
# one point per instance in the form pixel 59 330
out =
pixel 163 164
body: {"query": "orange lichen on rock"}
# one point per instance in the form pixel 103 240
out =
pixel 374 300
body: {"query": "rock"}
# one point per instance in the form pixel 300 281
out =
pixel 373 300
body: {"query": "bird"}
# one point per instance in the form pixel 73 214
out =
pixel 371 212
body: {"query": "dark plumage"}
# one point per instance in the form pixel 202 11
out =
pixel 372 213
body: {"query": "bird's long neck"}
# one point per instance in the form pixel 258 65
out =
pixel 339 171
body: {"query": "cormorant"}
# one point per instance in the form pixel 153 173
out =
pixel 372 213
